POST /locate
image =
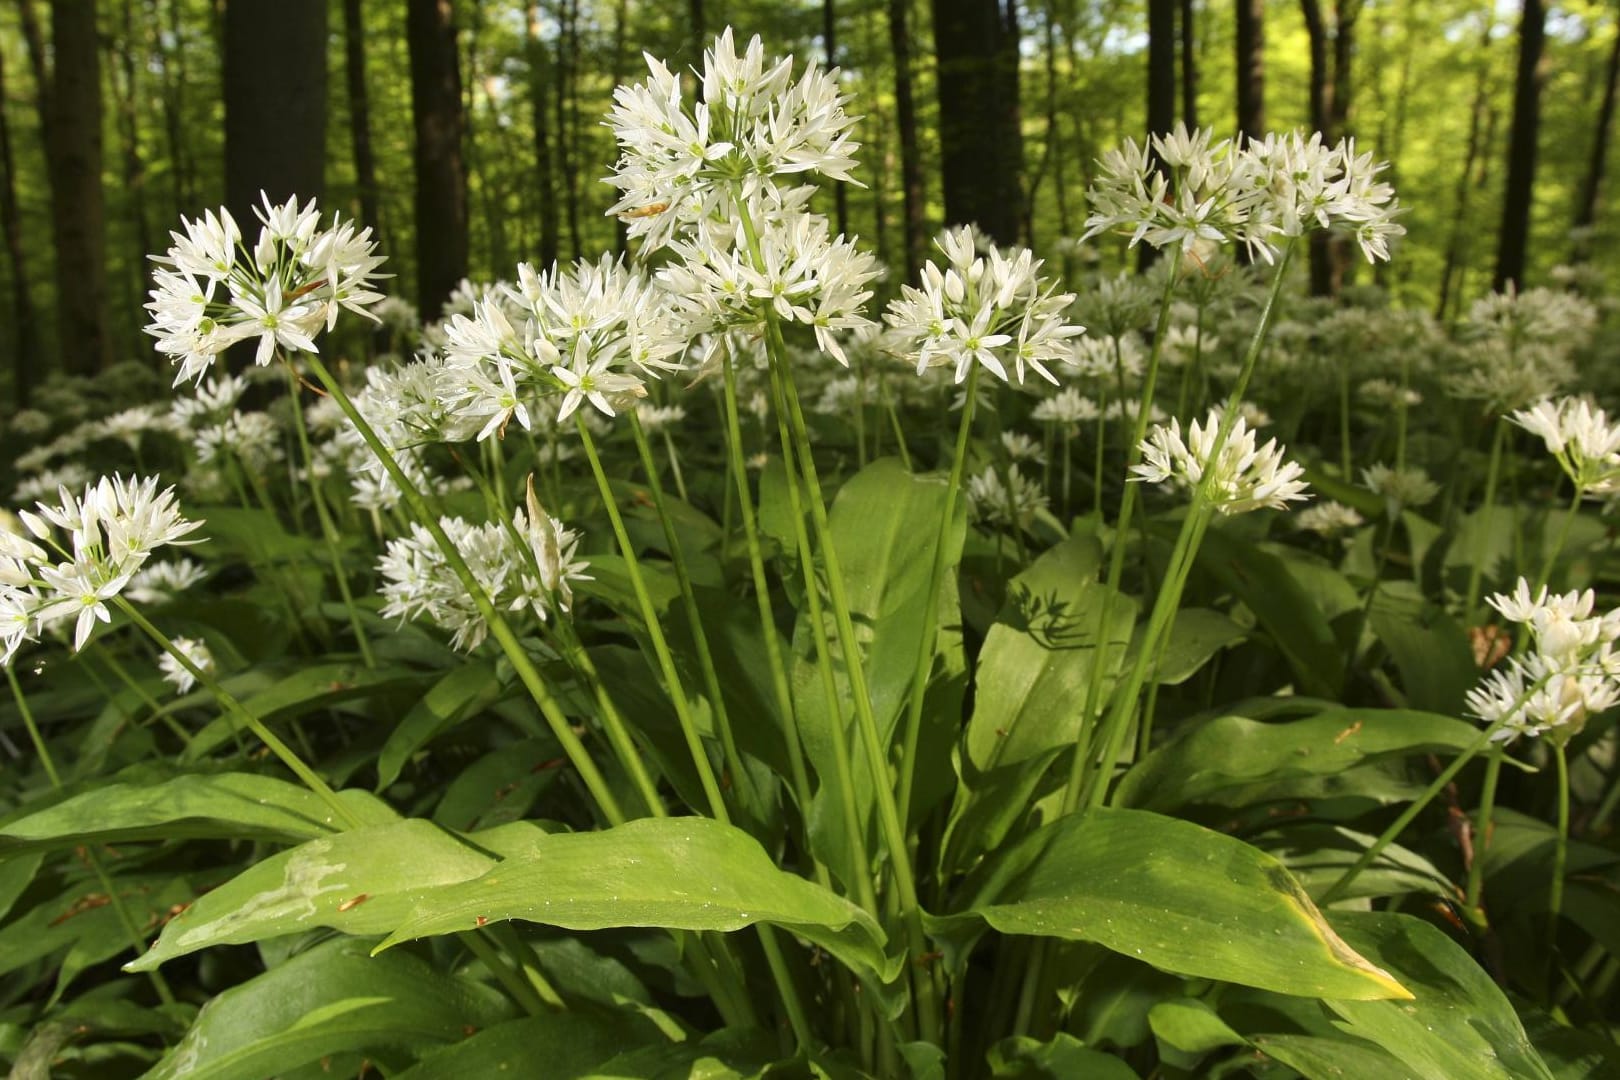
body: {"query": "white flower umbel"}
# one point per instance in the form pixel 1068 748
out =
pixel 1582 438
pixel 1242 477
pixel 1569 674
pixel 1327 519
pixel 160 583
pixel 213 291
pixel 92 546
pixel 418 580
pixel 992 499
pixel 1401 488
pixel 753 128
pixel 1066 407
pixel 992 310
pixel 176 673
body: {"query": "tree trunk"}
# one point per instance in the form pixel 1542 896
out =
pixel 1456 241
pixel 980 147
pixel 1251 68
pixel 365 165
pixel 72 129
pixel 1592 188
pixel 275 128
pixel 1521 175
pixel 1161 90
pixel 1189 64
pixel 441 184
pixel 567 109
pixel 913 229
pixel 126 88
pixel 25 361
pixel 542 139
pixel 829 36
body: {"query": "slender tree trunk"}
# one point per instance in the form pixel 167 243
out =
pixel 1055 141
pixel 1251 68
pixel 544 181
pixel 441 182
pixel 1189 64
pixel 126 90
pixel 1161 89
pixel 1586 210
pixel 979 147
pixel 25 361
pixel 1521 176
pixel 621 30
pixel 275 129
pixel 365 165
pixel 1462 196
pixel 567 62
pixel 829 37
pixel 913 228
pixel 71 119
pixel 1321 87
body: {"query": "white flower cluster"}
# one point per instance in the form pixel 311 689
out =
pixel 418 581
pixel 1581 437
pixel 1242 476
pixel 110 532
pixel 989 310
pixel 1066 407
pixel 586 333
pixel 1402 489
pixel 683 162
pixel 1212 194
pixel 1571 673
pixel 1328 519
pixel 176 673
pixel 1009 498
pixel 212 291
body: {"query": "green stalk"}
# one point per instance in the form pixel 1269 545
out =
pixel 137 940
pixel 1545 577
pixel 675 465
pixel 1482 833
pixel 499 628
pixel 700 637
pixel 329 531
pixel 1477 570
pixel 655 632
pixel 1555 893
pixel 525 993
pixel 936 579
pixel 894 422
pixel 1345 462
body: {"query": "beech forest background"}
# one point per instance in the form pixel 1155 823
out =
pixel 469 135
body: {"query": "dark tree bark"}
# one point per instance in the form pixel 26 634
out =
pixel 354 70
pixel 25 362
pixel 126 88
pixel 1251 68
pixel 70 120
pixel 1521 175
pixel 829 37
pixel 275 128
pixel 1189 64
pixel 980 146
pixel 567 111
pixel 543 172
pixel 1332 49
pixel 1586 210
pixel 1321 87
pixel 913 228
pixel 1456 242
pixel 441 183
pixel 1161 90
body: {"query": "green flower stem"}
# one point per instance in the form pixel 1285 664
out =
pixel 1482 834
pixel 936 579
pixel 877 761
pixel 1400 415
pixel 156 711
pixel 675 465
pixel 1068 470
pixel 240 713
pixel 573 651
pixel 137 940
pixel 522 990
pixel 655 632
pixel 329 531
pixel 1605 810
pixel 499 628
pixel 1555 892
pixel 1476 571
pixel 694 619
pixel 1545 577
pixel 1100 454
pixel 792 1004
pixel 1346 464
pixel 860 414
pixel 1080 765
pixel 894 422
pixel 762 596
pixel 1381 562
pixel 866 895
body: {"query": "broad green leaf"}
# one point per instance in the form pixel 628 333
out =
pixel 689 873
pixel 1037 660
pixel 462 692
pixel 225 805
pixel 501 786
pixel 1484 539
pixel 1458 1025
pixel 1318 1057
pixel 82 925
pixel 557 1047
pixel 1428 646
pixel 1065 1057
pixel 1318 855
pixel 1196 634
pixel 728 1054
pixel 333 999
pixel 1231 758
pixel 1284 608
pixel 365 881
pixel 1180 897
pixel 1191 1026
